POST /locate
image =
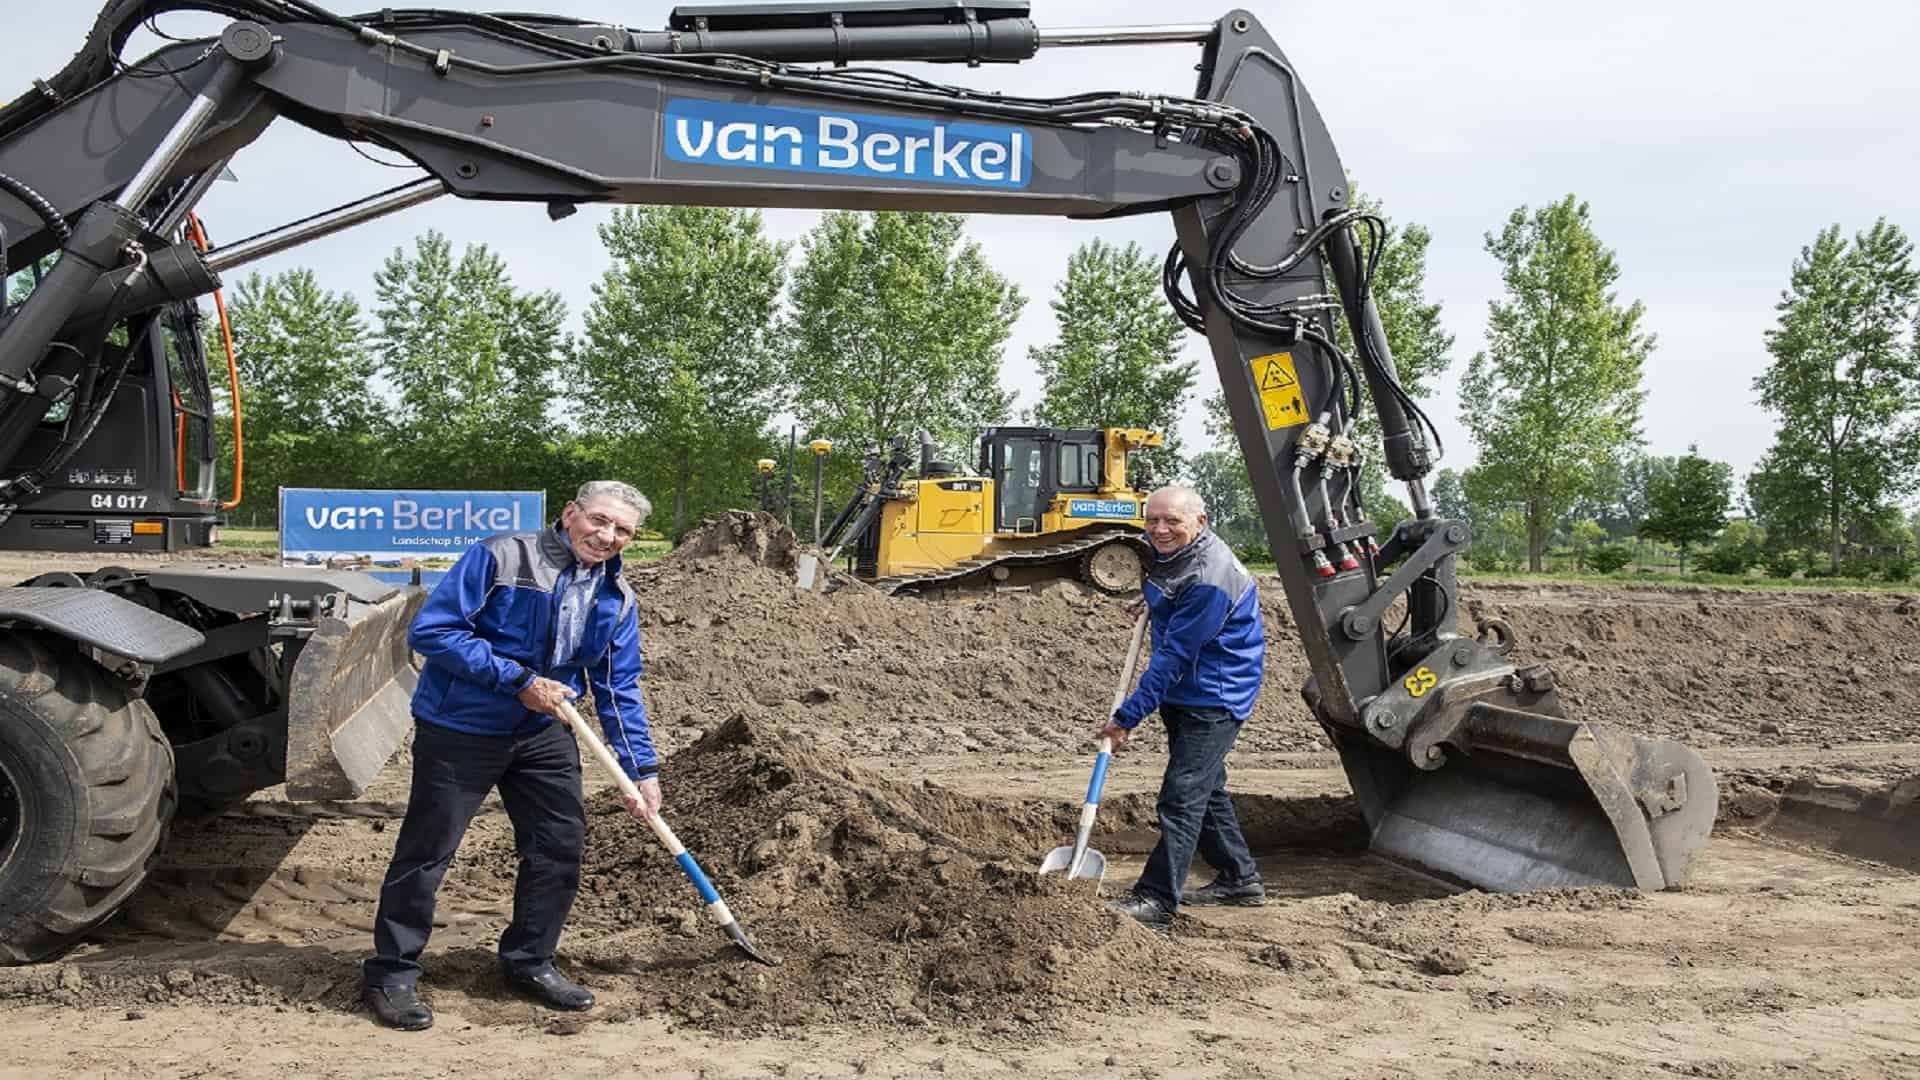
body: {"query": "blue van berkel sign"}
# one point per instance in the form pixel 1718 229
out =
pixel 397 530
pixel 1102 508
pixel 846 143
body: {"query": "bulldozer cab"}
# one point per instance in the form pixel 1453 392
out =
pixel 1031 467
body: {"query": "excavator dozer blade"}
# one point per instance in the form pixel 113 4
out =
pixel 349 698
pixel 1526 801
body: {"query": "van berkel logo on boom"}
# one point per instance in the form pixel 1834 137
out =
pixel 847 144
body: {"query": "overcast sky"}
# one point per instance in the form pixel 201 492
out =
pixel 1713 141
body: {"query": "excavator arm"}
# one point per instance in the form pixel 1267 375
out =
pixel 1462 759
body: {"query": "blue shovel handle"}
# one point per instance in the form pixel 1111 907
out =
pixel 1099 779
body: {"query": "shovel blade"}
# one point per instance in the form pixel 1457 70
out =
pixel 739 938
pixel 1093 865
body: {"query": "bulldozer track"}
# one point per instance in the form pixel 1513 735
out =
pixel 980 567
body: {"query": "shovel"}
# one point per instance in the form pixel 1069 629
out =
pixel 1077 859
pixel 728 925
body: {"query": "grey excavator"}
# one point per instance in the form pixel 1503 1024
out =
pixel 126 693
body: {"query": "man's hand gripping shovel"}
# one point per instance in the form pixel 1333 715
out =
pixel 716 906
pixel 1077 859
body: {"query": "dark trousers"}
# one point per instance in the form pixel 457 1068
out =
pixel 1195 812
pixel 539 780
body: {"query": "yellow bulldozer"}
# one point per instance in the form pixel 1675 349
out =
pixel 1045 503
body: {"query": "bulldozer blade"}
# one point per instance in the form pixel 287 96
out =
pixel 1093 865
pixel 349 698
pixel 1527 801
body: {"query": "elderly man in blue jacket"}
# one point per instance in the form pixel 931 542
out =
pixel 1209 650
pixel 522 623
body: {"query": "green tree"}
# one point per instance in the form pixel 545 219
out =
pixel 1416 337
pixel 1880 530
pixel 1587 534
pixel 1419 342
pixel 1450 496
pixel 897 325
pixel 472 360
pixel 1844 382
pixel 1688 505
pixel 1500 536
pixel 1776 497
pixel 1618 500
pixel 679 349
pixel 1741 546
pixel 1609 558
pixel 1556 396
pixel 310 416
pixel 1638 475
pixel 1116 359
pixel 1742 533
pixel 1221 479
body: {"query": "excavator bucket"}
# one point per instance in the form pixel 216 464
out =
pixel 350 693
pixel 1526 801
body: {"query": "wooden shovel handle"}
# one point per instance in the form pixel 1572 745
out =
pixel 585 733
pixel 1133 657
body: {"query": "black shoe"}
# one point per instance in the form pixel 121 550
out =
pixel 1217 893
pixel 1144 910
pixel 397 1007
pixel 552 989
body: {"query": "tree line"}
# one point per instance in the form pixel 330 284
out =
pixel 700 334
pixel 704 334
pixel 1554 403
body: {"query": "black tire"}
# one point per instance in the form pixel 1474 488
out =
pixel 86 791
pixel 1116 568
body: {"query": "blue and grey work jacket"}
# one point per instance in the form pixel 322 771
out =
pixel 1209 648
pixel 487 631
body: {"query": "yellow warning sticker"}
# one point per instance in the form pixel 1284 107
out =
pixel 1279 387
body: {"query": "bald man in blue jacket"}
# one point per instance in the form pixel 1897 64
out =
pixel 1209 651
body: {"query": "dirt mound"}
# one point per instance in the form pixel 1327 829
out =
pixel 754 534
pixel 1017 672
pixel 1868 812
pixel 1723 667
pixel 1025 672
pixel 889 904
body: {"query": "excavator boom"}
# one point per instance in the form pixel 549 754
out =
pixel 1462 759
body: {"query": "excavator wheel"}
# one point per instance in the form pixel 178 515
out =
pixel 86 791
pixel 1115 568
